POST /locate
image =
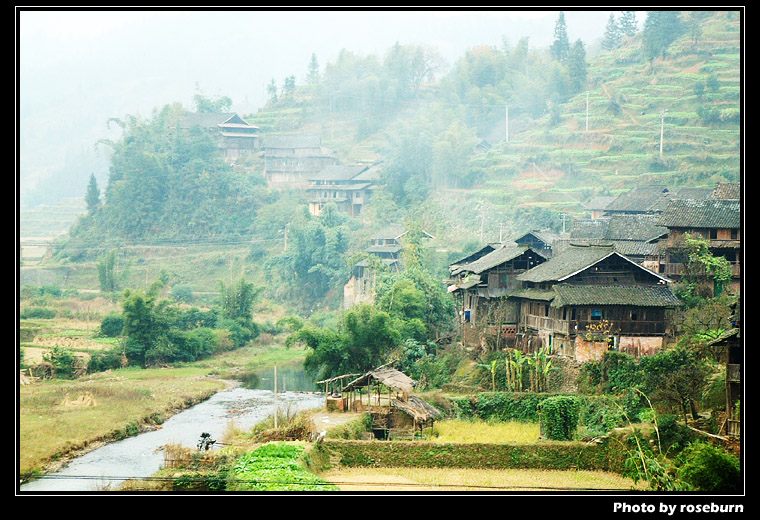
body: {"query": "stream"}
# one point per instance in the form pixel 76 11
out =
pixel 142 455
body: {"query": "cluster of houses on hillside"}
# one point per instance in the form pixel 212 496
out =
pixel 292 161
pixel 610 275
pixel 606 284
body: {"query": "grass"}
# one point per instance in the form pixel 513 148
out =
pixel 473 480
pixel 452 430
pixel 127 400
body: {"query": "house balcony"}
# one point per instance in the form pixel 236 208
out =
pixel 573 327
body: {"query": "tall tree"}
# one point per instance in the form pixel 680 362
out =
pixel 560 48
pixel 661 28
pixel 272 91
pixel 312 77
pixel 628 23
pixel 92 198
pixel 576 65
pixel 612 34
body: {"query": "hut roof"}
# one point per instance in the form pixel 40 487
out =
pixel 390 377
pixel 419 409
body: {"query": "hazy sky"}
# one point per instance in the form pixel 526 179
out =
pixel 77 69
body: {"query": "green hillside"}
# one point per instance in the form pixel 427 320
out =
pixel 365 109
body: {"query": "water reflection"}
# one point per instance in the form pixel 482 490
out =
pixel 290 377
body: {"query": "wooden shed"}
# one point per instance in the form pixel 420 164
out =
pixel 386 394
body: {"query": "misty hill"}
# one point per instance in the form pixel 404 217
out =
pixel 440 137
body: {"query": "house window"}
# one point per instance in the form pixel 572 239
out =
pixel 546 310
pixel 596 314
pixel 734 234
pixel 634 316
pixel 713 234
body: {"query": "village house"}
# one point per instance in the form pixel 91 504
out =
pixel 636 236
pixel 234 136
pixel 649 199
pixel 716 220
pixel 348 187
pixel 481 285
pixel 384 251
pixel 540 240
pixel 590 299
pixel 289 159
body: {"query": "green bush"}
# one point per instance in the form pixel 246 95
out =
pixel 705 467
pixel 112 325
pixel 106 360
pixel 559 417
pixel 37 312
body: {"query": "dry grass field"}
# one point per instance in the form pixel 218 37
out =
pixel 452 480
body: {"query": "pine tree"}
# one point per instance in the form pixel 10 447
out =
pixel 312 78
pixel 92 198
pixel 576 65
pixel 628 23
pixel 612 34
pixel 661 28
pixel 560 48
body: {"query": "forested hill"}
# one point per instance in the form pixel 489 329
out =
pixel 505 139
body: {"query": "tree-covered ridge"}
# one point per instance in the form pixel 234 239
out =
pixel 165 182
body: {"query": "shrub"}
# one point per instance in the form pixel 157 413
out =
pixel 705 467
pixel 112 325
pixel 559 417
pixel 37 312
pixel 107 360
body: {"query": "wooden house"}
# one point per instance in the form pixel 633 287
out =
pixel 716 220
pixel 482 286
pixel 348 187
pixel 232 134
pixel 635 236
pixel 589 299
pixel 289 159
pixel 730 343
pixel 385 249
pixel 651 199
pixel 541 241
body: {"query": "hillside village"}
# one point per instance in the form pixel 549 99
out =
pixel 535 282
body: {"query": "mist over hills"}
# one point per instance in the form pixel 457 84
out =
pixel 78 69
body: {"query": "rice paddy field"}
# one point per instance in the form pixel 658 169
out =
pixel 417 480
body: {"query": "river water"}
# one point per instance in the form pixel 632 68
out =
pixel 141 456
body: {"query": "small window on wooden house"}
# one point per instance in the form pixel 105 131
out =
pixel 596 314
pixel 713 234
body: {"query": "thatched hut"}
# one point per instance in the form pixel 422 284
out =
pixel 394 407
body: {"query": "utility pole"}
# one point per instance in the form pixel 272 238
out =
pixel 586 111
pixel 662 130
pixel 506 122
pixel 275 396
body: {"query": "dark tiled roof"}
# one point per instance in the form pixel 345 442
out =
pixel 634 295
pixel 211 120
pixel 727 190
pixel 496 257
pixel 568 262
pixel 653 199
pixel 708 213
pixel 635 227
pixel 642 199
